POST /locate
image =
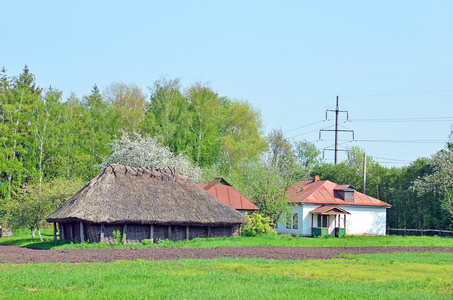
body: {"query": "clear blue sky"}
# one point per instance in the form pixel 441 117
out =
pixel 290 59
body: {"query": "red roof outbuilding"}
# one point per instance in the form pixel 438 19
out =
pixel 223 191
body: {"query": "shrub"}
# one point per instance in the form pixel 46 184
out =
pixel 117 237
pixel 257 225
pixel 147 242
pixel 166 243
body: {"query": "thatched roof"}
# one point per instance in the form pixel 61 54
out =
pixel 122 194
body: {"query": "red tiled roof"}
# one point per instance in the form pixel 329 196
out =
pixel 322 192
pixel 229 195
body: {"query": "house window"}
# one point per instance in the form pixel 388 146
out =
pixel 295 221
pixel 292 221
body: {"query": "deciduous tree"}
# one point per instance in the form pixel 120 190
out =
pixel 168 116
pixel 243 136
pixel 307 154
pixel 129 103
pixel 263 183
pixel 440 179
pixel 281 152
pixel 207 114
pixel 34 202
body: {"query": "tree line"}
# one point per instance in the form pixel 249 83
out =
pixel 50 146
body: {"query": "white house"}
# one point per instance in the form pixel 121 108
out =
pixel 321 207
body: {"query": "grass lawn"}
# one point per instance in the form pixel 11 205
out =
pixel 23 238
pixel 372 276
pixel 365 276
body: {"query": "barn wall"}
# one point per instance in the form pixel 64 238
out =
pixel 92 232
pixel 62 230
pixel 68 230
pixel 178 233
pixel 221 231
pixel 235 230
pixel 198 232
pixel 160 232
pixel 76 231
pixel 108 232
pixel 135 233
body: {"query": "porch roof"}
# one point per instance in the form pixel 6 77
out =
pixel 329 210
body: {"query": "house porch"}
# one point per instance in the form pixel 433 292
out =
pixel 328 220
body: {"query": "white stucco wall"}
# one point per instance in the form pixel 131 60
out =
pixel 307 218
pixel 304 215
pixel 362 220
pixel 281 226
pixel 365 220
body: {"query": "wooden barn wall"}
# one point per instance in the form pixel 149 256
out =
pixel 62 229
pixel 236 230
pixel 108 232
pixel 160 232
pixel 76 231
pixel 198 231
pixel 178 233
pixel 92 232
pixel 135 233
pixel 220 231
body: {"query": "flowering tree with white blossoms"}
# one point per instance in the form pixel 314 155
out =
pixel 137 151
pixel 440 179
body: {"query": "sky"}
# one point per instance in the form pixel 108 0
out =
pixel 389 62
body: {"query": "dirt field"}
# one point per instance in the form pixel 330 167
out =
pixel 16 254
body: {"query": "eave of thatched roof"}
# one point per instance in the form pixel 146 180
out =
pixel 123 194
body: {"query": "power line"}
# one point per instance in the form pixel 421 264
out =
pixel 383 160
pixel 311 130
pixel 397 94
pixel 396 141
pixel 391 162
pixel 404 141
pixel 305 133
pixel 304 126
pixel 380 162
pixel 427 119
pixel 392 159
pixel 299 109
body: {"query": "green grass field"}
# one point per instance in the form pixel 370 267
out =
pixel 377 276
pixel 23 238
pixel 366 276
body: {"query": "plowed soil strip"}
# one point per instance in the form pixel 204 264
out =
pixel 15 254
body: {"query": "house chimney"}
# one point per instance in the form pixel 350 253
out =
pixel 316 178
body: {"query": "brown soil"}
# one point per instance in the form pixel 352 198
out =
pixel 15 254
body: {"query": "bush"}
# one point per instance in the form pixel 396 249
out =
pixel 166 243
pixel 257 225
pixel 118 237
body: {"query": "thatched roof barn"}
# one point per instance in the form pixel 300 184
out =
pixel 145 203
